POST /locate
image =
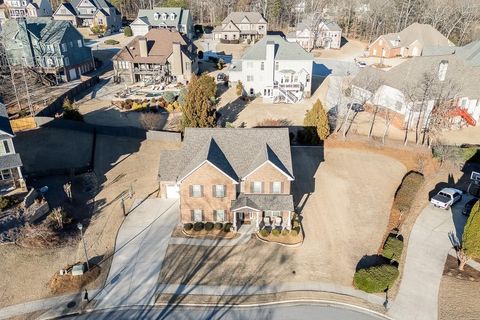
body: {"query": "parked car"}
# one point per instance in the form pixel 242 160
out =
pixel 446 198
pixel 357 107
pixel 361 64
pixel 222 77
pixel 468 206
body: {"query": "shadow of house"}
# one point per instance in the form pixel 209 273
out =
pixel 306 161
pixel 343 42
pixel 370 261
pixel 276 33
pixel 230 111
pixel 319 69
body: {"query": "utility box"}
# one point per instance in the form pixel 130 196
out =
pixel 77 270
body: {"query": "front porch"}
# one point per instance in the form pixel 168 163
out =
pixel 262 211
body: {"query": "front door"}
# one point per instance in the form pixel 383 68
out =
pixel 240 217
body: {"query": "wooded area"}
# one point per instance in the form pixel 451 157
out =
pixel 365 19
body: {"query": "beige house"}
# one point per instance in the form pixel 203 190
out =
pixel 240 27
pixel 161 56
pixel 241 176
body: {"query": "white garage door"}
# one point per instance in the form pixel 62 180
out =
pixel 173 192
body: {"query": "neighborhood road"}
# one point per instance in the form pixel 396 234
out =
pixel 139 250
pixel 275 312
pixel 428 248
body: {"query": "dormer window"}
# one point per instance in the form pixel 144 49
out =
pixel 164 16
pixel 156 16
pixel 172 16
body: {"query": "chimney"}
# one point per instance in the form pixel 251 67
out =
pixel 269 63
pixel 270 54
pixel 176 62
pixel 142 44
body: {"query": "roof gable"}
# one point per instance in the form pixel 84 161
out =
pixel 284 50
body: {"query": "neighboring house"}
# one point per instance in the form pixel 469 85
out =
pixel 326 34
pixel 450 76
pixel 408 43
pixel 88 13
pixel 241 26
pixel 161 56
pixel 174 19
pixel 277 70
pixel 14 9
pixel 49 47
pixel 241 176
pixel 11 176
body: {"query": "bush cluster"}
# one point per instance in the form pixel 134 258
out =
pixel 111 42
pixel 227 226
pixel 393 248
pixel 5 203
pixel 218 226
pixel 188 226
pixel 285 232
pixel 407 191
pixel 295 231
pixel 376 278
pixel 276 232
pixel 198 226
pixel 127 32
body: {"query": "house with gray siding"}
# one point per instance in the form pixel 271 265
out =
pixel 87 13
pixel 14 9
pixel 174 19
pixel 53 48
pixel 241 27
pixel 11 176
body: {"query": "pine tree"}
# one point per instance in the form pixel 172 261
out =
pixel 317 119
pixel 198 111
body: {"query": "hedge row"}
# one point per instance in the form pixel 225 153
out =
pixel 208 226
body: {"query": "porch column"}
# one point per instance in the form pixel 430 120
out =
pixel 234 220
pixel 257 223
pixel 289 222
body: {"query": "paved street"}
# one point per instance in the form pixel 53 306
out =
pixel 428 248
pixel 276 312
pixel 141 244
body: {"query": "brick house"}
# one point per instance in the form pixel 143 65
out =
pixel 241 176
pixel 409 42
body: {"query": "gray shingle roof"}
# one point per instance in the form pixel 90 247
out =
pixel 411 72
pixel 263 202
pixel 284 50
pixel 147 16
pixel 10 161
pixel 231 150
pixel 307 22
pixel 237 17
pixel 5 127
pixel 44 29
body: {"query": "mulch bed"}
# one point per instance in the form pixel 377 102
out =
pixel 179 232
pixel 283 239
pixel 68 283
pixel 468 274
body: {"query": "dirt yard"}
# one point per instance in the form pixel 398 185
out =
pixel 343 220
pixel 458 298
pixel 120 163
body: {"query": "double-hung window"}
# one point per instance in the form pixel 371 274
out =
pixel 276 187
pixel 197 215
pixel 219 191
pixel 257 187
pixel 196 191
pixel 219 215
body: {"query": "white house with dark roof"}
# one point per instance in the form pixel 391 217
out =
pixel 277 70
pixel 11 176
pixel 174 19
pixel 241 26
pixel 451 72
pixel 237 175
pixel 87 13
pixel 326 34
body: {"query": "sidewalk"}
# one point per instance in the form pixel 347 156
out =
pixel 181 289
pixel 139 250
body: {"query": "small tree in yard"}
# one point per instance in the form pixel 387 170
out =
pixel 239 88
pixel 70 111
pixel 376 278
pixel 470 248
pixel 317 118
pixel 127 32
pixel 198 111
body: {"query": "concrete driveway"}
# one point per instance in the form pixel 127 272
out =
pixel 428 248
pixel 139 250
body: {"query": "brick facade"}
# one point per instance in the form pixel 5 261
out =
pixel 267 174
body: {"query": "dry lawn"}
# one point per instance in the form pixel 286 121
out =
pixel 345 203
pixel 120 163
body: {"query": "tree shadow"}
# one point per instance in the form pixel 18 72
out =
pixel 230 111
pixel 370 261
